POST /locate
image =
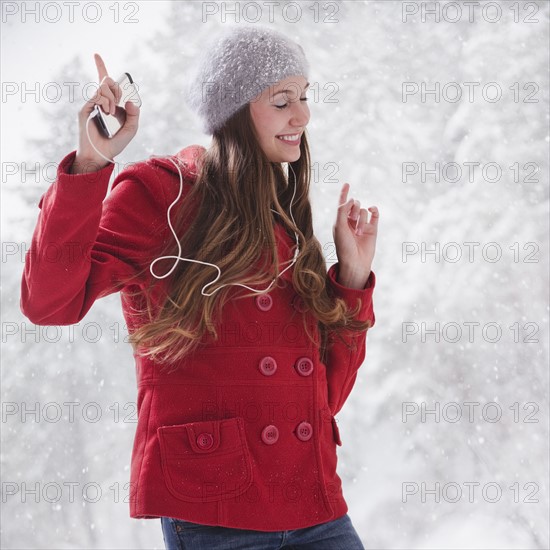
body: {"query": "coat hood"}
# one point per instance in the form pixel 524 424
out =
pixel 186 157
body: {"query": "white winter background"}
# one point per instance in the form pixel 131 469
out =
pixel 440 481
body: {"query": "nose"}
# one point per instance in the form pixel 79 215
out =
pixel 300 113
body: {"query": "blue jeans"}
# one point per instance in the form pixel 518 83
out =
pixel 338 534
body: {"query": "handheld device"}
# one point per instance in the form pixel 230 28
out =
pixel 109 125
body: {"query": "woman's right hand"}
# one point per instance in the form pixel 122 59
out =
pixel 106 97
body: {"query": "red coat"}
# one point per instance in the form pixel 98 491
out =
pixel 243 434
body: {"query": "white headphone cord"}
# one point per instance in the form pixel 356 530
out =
pixel 179 257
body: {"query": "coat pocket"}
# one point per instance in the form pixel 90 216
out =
pixel 205 461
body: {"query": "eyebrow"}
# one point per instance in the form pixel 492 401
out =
pixel 283 91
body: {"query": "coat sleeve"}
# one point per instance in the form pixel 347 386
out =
pixel 85 244
pixel 342 362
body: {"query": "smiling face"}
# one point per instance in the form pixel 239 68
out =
pixel 280 114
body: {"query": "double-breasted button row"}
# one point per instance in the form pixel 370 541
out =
pixel 268 366
pixel 270 434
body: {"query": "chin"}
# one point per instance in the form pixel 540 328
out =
pixel 288 157
pixel 279 155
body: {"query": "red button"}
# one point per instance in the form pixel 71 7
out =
pixel 304 431
pixel 268 366
pixel 298 304
pixel 270 434
pixel 205 441
pixel 304 366
pixel 264 302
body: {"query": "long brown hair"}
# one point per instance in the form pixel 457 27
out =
pixel 227 220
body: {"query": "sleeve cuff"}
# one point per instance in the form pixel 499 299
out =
pixel 91 186
pixel 350 295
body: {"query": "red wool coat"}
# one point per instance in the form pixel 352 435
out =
pixel 243 434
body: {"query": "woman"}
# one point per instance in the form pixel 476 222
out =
pixel 241 364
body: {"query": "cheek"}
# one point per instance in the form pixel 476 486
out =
pixel 268 122
pixel 272 125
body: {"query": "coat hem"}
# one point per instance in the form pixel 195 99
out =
pixel 339 510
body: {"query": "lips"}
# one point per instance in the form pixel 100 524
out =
pixel 285 138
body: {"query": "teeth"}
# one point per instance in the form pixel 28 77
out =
pixel 290 138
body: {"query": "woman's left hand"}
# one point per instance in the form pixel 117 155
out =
pixel 355 240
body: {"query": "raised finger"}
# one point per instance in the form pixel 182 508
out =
pixel 343 195
pixel 101 69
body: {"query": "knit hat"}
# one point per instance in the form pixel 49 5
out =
pixel 234 68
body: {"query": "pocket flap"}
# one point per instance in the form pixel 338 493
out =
pixel 204 437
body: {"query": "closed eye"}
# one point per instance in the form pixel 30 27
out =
pixel 286 104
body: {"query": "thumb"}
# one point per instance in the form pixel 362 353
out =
pixel 132 118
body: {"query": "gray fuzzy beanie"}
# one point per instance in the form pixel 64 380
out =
pixel 235 67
